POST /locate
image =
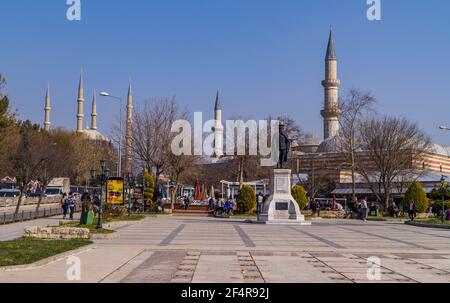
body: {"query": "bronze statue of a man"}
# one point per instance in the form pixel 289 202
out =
pixel 284 146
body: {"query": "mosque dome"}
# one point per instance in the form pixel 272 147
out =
pixel 94 135
pixel 330 145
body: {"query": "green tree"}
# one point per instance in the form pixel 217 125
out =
pixel 299 194
pixel 246 200
pixel 149 185
pixel 416 193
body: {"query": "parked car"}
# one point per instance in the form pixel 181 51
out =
pixel 9 193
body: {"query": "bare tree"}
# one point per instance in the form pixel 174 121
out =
pixel 355 108
pixel 28 159
pixel 152 136
pixel 391 147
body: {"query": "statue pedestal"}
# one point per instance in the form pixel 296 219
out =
pixel 280 207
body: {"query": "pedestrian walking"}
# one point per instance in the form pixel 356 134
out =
pixel 364 209
pixel 412 209
pixel 186 203
pixel 260 200
pixel 71 204
pixel 64 205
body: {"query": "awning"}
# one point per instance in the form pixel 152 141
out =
pixel 367 191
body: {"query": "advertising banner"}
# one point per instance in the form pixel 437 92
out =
pixel 116 191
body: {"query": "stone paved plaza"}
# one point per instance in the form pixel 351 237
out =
pixel 186 249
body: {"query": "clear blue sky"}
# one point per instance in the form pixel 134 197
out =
pixel 266 56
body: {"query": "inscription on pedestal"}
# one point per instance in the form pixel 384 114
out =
pixel 282 184
pixel 280 206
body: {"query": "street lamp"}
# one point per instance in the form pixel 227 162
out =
pixel 119 168
pixel 443 197
pixel 103 178
pixel 130 185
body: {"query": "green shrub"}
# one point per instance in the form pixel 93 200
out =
pixel 246 200
pixel 416 193
pixel 149 184
pixel 437 206
pixel 299 194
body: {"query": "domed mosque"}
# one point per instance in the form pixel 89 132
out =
pixel 323 158
pixel 91 132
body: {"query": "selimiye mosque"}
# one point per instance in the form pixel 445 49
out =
pixel 91 130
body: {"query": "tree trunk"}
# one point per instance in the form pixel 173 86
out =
pixel 20 200
pixel 44 189
pixel 156 183
pixel 353 178
pixel 241 173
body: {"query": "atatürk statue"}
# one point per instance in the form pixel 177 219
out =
pixel 285 145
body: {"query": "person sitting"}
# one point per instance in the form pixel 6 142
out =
pixel 227 207
pixel 395 210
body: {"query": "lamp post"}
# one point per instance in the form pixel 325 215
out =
pixel 443 197
pixel 119 168
pixel 446 128
pixel 103 178
pixel 130 185
pixel 93 177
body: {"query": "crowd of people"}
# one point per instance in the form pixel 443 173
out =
pixel 68 204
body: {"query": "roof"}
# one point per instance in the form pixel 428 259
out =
pixel 218 105
pixel 331 52
pixel 419 176
pixel 329 145
pixel 440 150
pixel 94 135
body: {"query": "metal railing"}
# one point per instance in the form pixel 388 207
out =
pixel 28 215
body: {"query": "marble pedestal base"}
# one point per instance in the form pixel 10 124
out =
pixel 281 208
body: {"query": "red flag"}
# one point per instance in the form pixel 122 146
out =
pixel 198 194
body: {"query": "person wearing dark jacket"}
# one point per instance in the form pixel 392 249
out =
pixel 412 209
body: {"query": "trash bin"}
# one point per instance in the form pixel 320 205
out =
pixel 448 214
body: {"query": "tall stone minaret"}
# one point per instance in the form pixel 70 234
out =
pixel 331 111
pixel 218 128
pixel 94 113
pixel 80 101
pixel 47 110
pixel 128 136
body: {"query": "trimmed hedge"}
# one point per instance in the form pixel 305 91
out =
pixel 149 186
pixel 416 193
pixel 246 200
pixel 299 194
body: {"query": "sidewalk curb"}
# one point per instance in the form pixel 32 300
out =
pixel 427 225
pixel 49 260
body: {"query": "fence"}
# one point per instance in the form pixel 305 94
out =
pixel 28 215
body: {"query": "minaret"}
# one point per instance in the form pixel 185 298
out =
pixel 47 110
pixel 128 136
pixel 94 113
pixel 331 111
pixel 80 101
pixel 218 128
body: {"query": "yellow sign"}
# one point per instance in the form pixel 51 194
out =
pixel 115 191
